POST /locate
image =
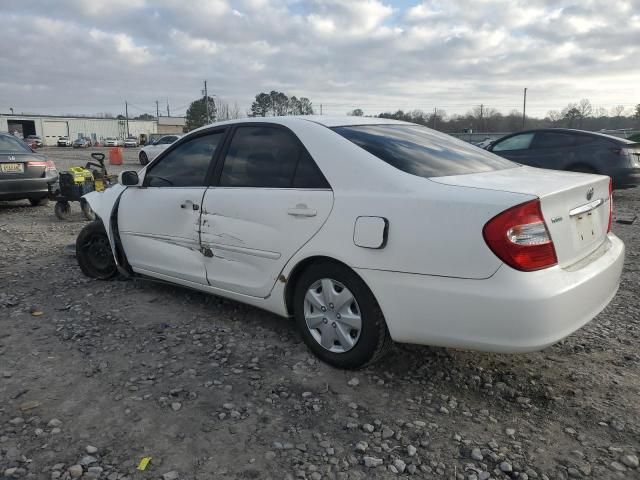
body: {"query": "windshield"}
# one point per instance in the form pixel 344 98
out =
pixel 12 145
pixel 421 151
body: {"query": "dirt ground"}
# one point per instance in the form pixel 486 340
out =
pixel 94 376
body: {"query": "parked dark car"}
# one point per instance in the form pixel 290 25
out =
pixel 24 173
pixel 574 150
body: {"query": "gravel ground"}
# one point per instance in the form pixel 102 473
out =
pixel 94 376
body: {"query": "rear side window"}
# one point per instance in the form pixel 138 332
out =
pixel 11 144
pixel 553 140
pixel 267 157
pixel 517 142
pixel 423 152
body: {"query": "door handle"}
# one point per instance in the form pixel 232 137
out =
pixel 301 210
pixel 194 206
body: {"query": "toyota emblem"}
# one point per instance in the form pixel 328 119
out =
pixel 590 193
pixel 11 158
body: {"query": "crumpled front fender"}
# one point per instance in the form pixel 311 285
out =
pixel 103 204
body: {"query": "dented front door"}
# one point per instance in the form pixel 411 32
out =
pixel 159 232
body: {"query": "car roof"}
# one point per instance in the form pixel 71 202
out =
pixel 327 121
pixel 574 131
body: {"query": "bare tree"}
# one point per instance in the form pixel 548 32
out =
pixel 617 111
pixel 585 108
pixel 554 115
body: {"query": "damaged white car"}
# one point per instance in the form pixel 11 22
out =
pixel 365 230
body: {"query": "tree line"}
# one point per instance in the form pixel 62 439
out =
pixel 581 115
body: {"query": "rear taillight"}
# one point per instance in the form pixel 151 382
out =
pixel 519 237
pixel 36 163
pixel 610 205
pixel 50 165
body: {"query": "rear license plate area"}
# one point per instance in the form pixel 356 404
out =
pixel 586 228
pixel 11 167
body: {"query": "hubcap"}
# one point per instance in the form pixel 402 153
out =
pixel 332 315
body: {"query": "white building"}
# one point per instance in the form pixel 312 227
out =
pixel 50 127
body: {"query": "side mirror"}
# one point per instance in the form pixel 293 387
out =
pixel 129 178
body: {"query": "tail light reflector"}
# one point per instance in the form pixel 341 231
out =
pixel 610 205
pixel 520 238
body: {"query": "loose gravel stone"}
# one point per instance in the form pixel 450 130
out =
pixel 630 461
pixel 372 462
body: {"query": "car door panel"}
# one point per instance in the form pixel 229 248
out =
pixel 160 236
pixel 253 232
pixel 159 223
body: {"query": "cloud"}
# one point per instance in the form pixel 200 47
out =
pixel 376 54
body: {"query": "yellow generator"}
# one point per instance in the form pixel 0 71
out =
pixel 76 182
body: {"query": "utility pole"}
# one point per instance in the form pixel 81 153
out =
pixel 435 114
pixel 126 115
pixel 320 109
pixel 524 107
pixel 168 111
pixel 481 112
pixel 206 101
pixel 157 110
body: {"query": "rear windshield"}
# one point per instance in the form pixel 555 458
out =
pixel 421 151
pixel 12 144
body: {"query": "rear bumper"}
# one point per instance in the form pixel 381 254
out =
pixel 17 189
pixel 510 312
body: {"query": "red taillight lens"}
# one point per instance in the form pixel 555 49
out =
pixel 610 205
pixel 519 237
pixel 36 163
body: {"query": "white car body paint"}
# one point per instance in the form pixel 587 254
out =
pixel 436 280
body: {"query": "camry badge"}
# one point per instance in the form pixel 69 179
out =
pixel 590 193
pixel 11 158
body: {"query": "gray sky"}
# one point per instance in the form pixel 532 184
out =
pixel 88 56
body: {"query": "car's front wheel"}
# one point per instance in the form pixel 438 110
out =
pixel 338 316
pixel 93 252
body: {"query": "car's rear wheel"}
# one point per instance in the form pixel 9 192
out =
pixel 143 158
pixel 93 252
pixel 338 317
pixel 38 202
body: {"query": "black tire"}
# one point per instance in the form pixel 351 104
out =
pixel 374 340
pixel 143 158
pixel 582 169
pixel 38 202
pixel 94 253
pixel 62 210
pixel 88 213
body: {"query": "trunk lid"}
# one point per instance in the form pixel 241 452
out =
pixel 575 206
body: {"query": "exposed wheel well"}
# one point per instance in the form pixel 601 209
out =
pixel 298 270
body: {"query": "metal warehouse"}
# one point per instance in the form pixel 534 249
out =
pixel 50 127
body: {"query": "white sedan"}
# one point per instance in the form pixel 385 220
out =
pixel 365 230
pixel 151 151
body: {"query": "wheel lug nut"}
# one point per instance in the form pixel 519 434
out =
pixel 334 325
pixel 331 306
pixel 324 320
pixel 324 309
pixel 338 316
